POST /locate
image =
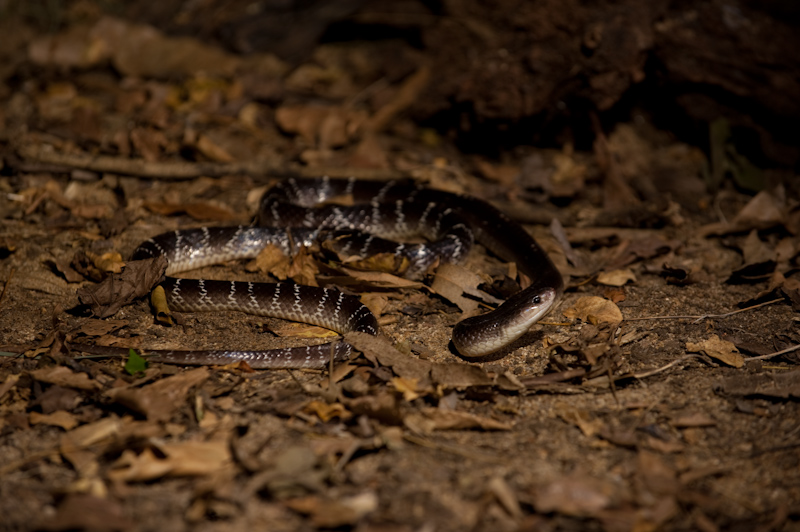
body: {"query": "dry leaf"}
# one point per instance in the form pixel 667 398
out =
pixel 160 400
pixel 80 511
pixel 616 277
pixel 582 419
pixel 189 458
pixel 430 419
pixel 327 513
pixel 381 350
pixel 718 349
pixel 212 150
pixel 301 330
pixel 158 300
pixel 82 445
pixel 594 310
pixel 60 418
pixel 117 290
pixel 695 419
pixel 63 376
pixel 327 411
pixel 576 495
pixel 408 387
pixel 452 281
pixel 454 375
pixel 10 382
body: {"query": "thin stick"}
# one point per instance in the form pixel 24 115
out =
pixel 776 353
pixel 705 316
pixel 601 381
pixel 645 374
pixel 189 170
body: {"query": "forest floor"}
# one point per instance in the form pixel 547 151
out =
pixel 662 393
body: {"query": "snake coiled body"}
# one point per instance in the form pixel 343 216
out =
pixel 297 212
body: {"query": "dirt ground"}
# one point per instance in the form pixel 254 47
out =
pixel 661 394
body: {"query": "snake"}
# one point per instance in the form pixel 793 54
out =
pixel 374 218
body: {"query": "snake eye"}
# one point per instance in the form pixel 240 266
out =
pixel 537 299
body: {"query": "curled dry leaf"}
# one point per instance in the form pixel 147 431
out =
pixel 718 349
pixel 594 310
pixel 118 290
pixel 212 150
pixel 453 281
pixel 158 300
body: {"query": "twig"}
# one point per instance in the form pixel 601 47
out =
pixel 776 353
pixel 645 374
pixel 698 318
pixel 602 380
pixel 188 170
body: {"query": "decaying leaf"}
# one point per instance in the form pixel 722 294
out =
pixel 118 290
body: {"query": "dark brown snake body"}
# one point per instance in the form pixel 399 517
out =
pixel 381 211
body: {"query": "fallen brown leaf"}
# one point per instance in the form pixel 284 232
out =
pixel 178 459
pixel 430 419
pixel 594 310
pixel 62 419
pixel 576 495
pixel 118 290
pixel 63 376
pixel 160 400
pixel 718 349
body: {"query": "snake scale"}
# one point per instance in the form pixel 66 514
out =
pixel 299 212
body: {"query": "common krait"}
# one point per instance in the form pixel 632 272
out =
pixel 295 212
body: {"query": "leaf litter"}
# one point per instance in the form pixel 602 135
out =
pixel 648 406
